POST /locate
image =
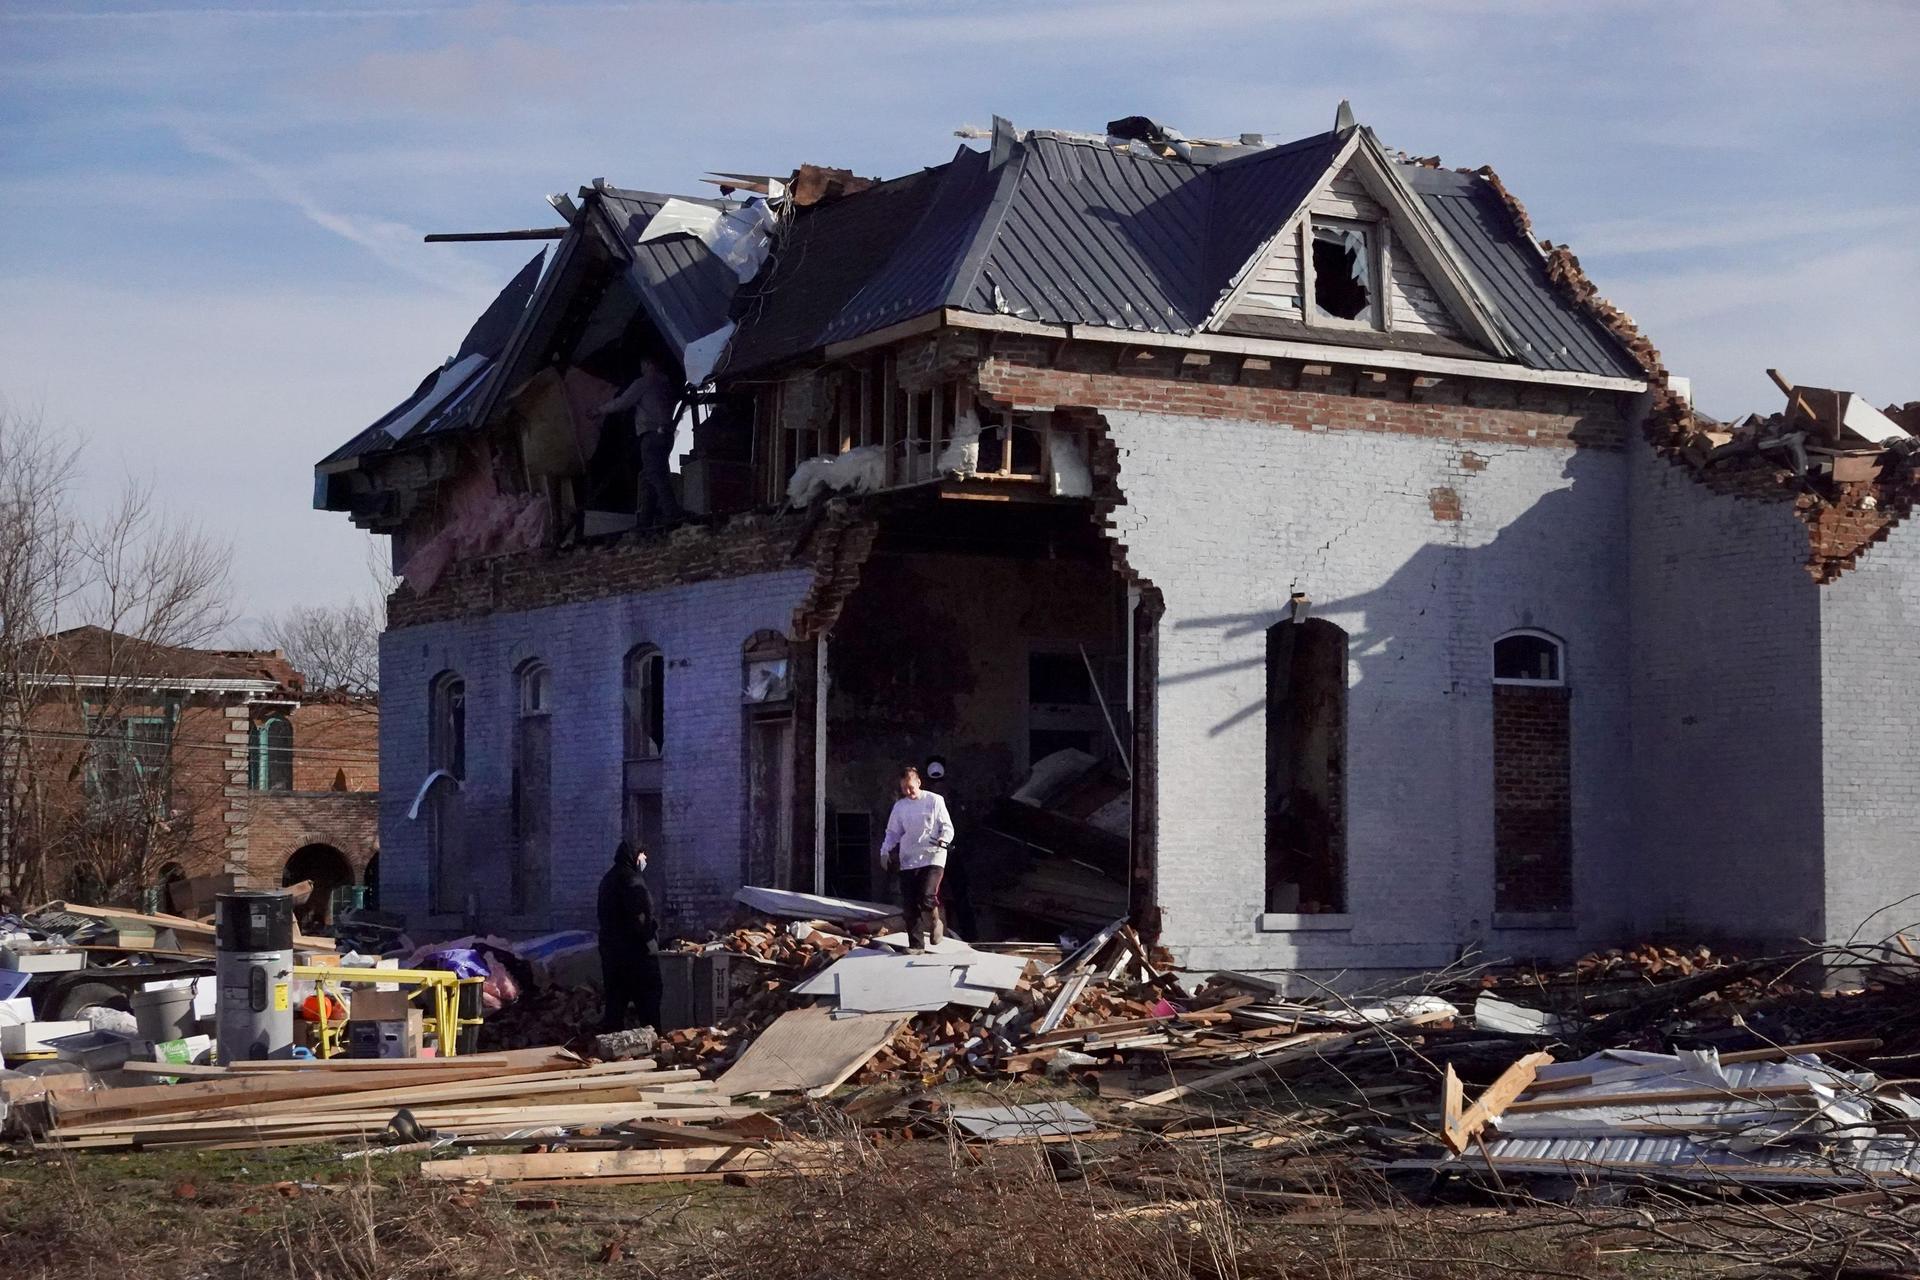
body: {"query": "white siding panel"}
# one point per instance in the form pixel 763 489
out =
pixel 1416 307
pixel 1348 198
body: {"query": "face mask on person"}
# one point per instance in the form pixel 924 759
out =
pixel 641 862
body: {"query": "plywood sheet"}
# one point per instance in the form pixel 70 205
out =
pixel 808 1050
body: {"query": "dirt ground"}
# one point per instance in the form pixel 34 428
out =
pixel 922 1210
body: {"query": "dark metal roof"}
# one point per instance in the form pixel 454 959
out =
pixel 1063 229
pixel 832 270
pixel 1095 235
pixel 1546 329
pixel 487 339
pixel 1253 198
pixel 1076 230
pixel 686 289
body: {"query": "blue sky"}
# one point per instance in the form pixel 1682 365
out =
pixel 210 215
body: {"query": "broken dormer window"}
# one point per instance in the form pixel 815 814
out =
pixel 1343 272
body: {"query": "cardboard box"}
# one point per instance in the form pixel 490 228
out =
pixel 387 1037
pixel 16 1012
pixel 372 1005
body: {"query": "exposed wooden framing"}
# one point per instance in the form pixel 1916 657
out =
pixel 1305 223
pixel 938 423
pixel 1006 441
pixel 865 414
pixel 889 393
pixel 910 464
pixel 1383 286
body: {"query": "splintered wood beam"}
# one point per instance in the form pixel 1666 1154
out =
pixel 1500 1096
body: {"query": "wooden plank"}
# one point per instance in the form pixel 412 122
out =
pixel 1308 1045
pixel 809 1050
pixel 1452 1102
pixel 1656 1098
pixel 594 1164
pixel 1499 1096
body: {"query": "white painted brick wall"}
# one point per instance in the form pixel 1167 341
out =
pixel 699 628
pixel 1227 518
pixel 1870 681
pixel 1726 713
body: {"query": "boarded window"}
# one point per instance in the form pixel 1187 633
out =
pixel 446 750
pixel 1532 775
pixel 1306 767
pixel 532 785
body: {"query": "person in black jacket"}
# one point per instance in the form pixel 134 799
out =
pixel 629 941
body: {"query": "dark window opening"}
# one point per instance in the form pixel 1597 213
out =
pixel 1306 767
pixel 1058 678
pixel 1527 657
pixel 1341 272
pixel 644 696
pixel 850 855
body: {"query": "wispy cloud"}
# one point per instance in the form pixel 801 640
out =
pixel 1710 229
pixel 393 243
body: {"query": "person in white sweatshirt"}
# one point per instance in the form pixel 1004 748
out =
pixel 918 833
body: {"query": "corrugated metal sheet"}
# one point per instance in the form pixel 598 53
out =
pixel 1682 1156
pixel 1547 330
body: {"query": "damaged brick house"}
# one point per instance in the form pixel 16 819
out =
pixel 135 765
pixel 1265 540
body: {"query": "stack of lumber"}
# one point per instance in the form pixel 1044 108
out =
pixel 154 929
pixel 502 1096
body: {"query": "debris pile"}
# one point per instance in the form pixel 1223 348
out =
pixel 1848 467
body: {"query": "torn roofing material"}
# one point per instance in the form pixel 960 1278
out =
pixel 446 397
pixel 1547 328
pixel 686 288
pixel 1067 229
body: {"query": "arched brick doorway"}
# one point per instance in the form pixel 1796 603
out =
pixel 328 868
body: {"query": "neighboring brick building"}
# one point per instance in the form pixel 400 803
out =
pixel 162 763
pixel 1330 521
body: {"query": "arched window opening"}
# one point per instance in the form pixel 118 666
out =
pixel 326 869
pixel 270 759
pixel 1528 657
pixel 1306 767
pixel 644 696
pixel 766 692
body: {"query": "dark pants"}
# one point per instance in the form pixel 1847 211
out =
pixel 920 896
pixel 631 977
pixel 657 505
